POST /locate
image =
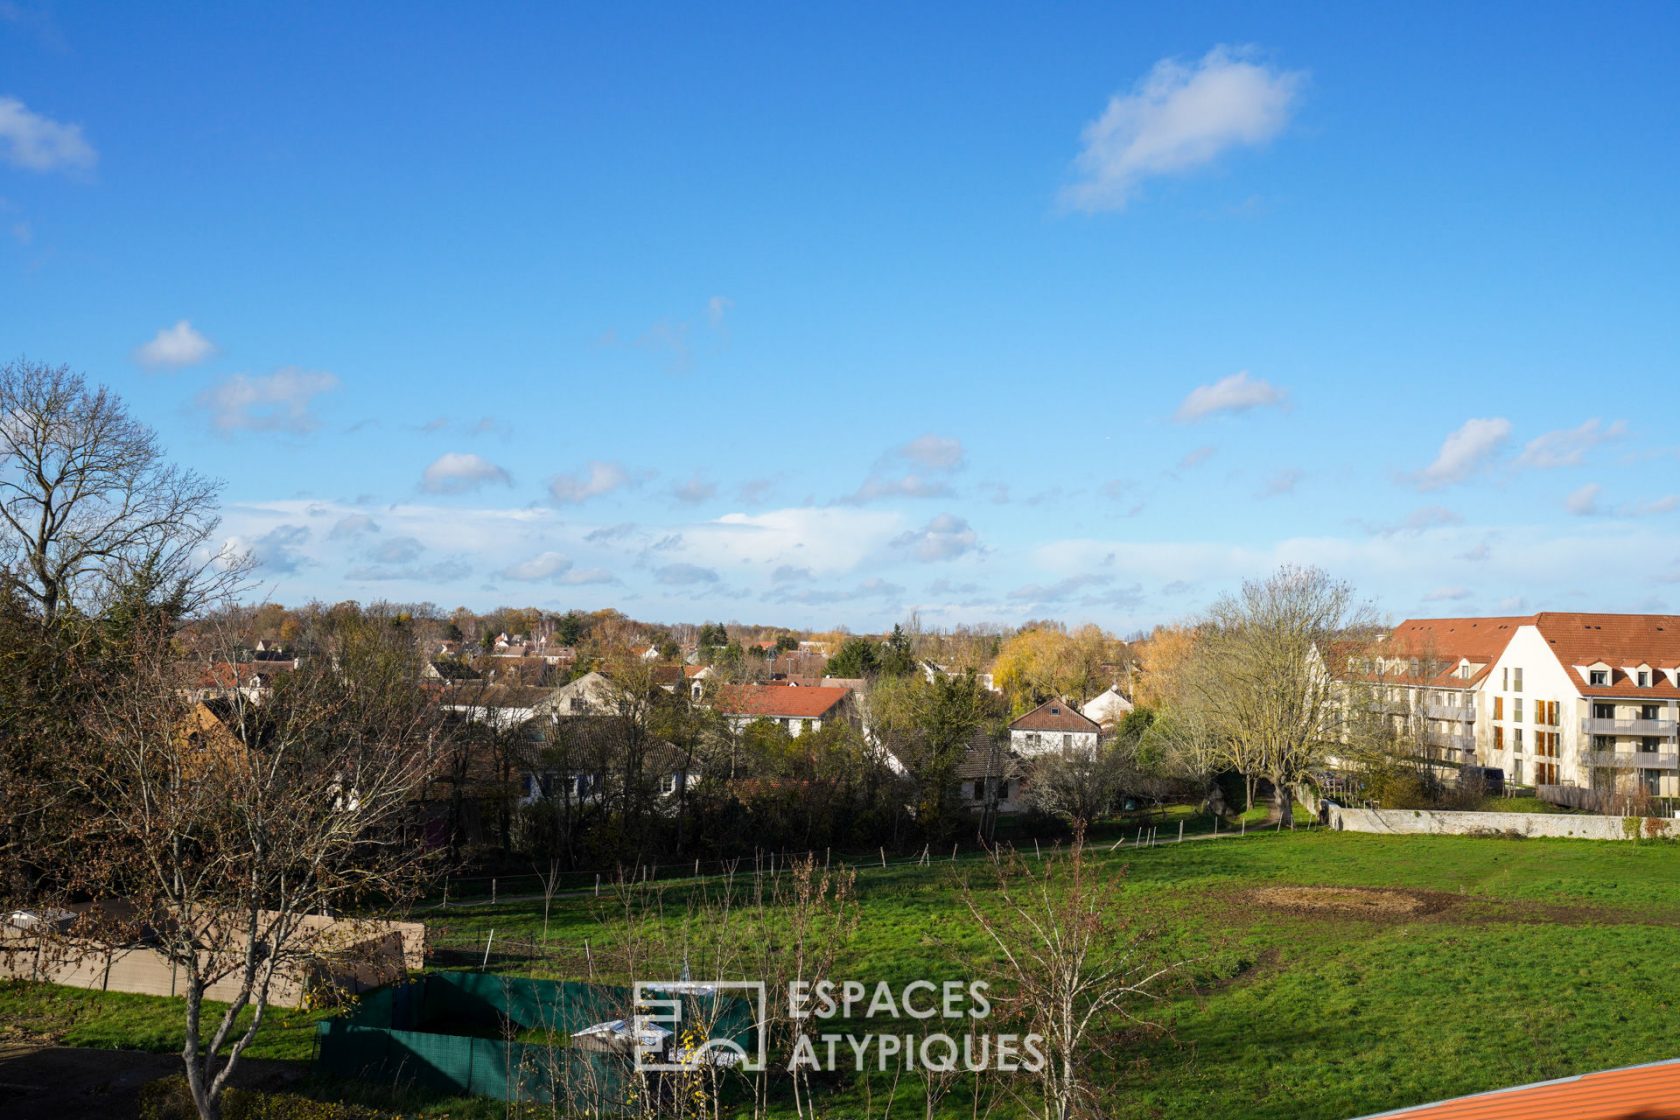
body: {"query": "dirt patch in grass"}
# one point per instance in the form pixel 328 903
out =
pixel 1387 904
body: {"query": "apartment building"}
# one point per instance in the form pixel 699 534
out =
pixel 1591 700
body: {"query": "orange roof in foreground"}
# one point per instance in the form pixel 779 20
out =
pixel 1650 1092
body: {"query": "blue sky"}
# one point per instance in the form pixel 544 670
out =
pixel 823 315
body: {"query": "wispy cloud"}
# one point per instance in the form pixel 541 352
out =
pixel 351 526
pixel 1583 502
pixel 716 308
pixel 684 575
pixel 1447 595
pixel 1569 446
pixel 1196 457
pixel 1418 521
pixel 544 565
pixel 1281 483
pixel 174 347
pixel 594 480
pixel 39 143
pixel 277 402
pixel 1236 393
pixel 694 491
pixel 1180 117
pixel 457 472
pixel 1465 452
pixel 876 487
pixel 946 537
pixel 278 551
pixel 935 453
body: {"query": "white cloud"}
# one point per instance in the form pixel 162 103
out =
pixel 592 481
pixel 1447 595
pixel 1178 118
pixel 351 526
pixel 946 537
pixel 1464 452
pixel 1583 502
pixel 278 551
pixel 694 491
pixel 36 143
pixel 457 472
pixel 1196 457
pixel 174 347
pixel 936 453
pixel 716 308
pixel 1420 520
pixel 823 539
pixel 397 550
pixel 684 575
pixel 546 565
pixel 276 402
pixel 1236 393
pixel 876 487
pixel 1567 447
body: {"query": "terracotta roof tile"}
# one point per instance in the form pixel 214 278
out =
pixel 779 701
pixel 1649 1092
pixel 1620 641
pixel 1054 715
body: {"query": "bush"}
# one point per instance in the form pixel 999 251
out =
pixel 170 1099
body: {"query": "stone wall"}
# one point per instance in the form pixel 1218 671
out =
pixel 1435 822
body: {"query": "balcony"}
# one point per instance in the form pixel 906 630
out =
pixel 1593 725
pixel 1632 760
pixel 1463 714
pixel 1452 740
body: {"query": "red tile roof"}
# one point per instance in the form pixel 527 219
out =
pixel 1650 1092
pixel 779 701
pixel 1055 715
pixel 1620 641
pixel 1446 641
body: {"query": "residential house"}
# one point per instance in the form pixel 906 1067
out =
pixel 1555 698
pixel 1053 725
pixel 1107 707
pixel 797 709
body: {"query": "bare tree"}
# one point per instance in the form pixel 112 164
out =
pixel 1269 674
pixel 90 505
pixel 231 835
pixel 1075 785
pixel 1077 955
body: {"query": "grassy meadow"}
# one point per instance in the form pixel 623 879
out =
pixel 1457 965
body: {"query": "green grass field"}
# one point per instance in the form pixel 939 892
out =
pixel 1510 961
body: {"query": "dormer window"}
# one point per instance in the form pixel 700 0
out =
pixel 1598 677
pixel 1644 678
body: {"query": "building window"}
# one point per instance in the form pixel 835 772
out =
pixel 1648 746
pixel 1003 790
pixel 1067 742
pixel 668 784
pixel 1604 743
pixel 1516 679
pixel 1598 677
pixel 1516 709
pixel 1604 711
pixel 1652 781
pixel 1498 736
pixel 1516 740
pixel 979 789
pixel 1644 678
pixel 1499 707
pixel 1505 679
pixel 1516 772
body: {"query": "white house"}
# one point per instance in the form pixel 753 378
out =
pixel 1591 700
pixel 1053 725
pixel 1107 707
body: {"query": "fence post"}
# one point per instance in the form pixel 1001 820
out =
pixel 487 942
pixel 1036 854
pixel 953 853
pixel 445 904
pixel 1245 824
pixel 597 884
pixel 1181 832
pixel 492 890
pixel 883 858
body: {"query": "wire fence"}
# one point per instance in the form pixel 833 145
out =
pixel 1143 830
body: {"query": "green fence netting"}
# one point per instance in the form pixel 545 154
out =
pixel 476 1034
